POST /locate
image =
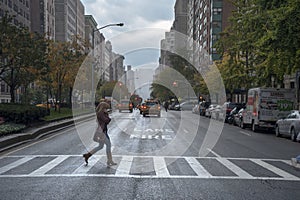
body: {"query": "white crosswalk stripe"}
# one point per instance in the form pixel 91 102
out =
pixel 274 169
pixel 160 166
pixel 235 169
pixel 47 167
pixel 124 166
pixel 197 167
pixel 83 169
pixel 14 164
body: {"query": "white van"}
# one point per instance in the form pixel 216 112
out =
pixel 266 105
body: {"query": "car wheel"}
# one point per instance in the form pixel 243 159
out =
pixel 277 133
pixel 293 135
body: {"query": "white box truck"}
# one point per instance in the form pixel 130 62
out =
pixel 266 105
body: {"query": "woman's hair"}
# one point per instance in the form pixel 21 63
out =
pixel 101 106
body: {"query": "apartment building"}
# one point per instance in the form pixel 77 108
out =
pixel 180 25
pixel 69 20
pixel 18 9
pixel 42 15
pixel 206 20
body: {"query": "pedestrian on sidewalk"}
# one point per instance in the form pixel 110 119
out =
pixel 295 161
pixel 103 120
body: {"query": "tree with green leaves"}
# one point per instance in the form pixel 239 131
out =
pixel 262 41
pixel 22 56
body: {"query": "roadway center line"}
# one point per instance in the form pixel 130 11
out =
pixel 245 133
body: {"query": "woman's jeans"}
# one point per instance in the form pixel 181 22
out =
pixel 101 144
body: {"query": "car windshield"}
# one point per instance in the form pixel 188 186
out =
pixel 151 103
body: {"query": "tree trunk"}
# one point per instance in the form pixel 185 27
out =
pixel 70 96
pixel 59 96
pixel 12 87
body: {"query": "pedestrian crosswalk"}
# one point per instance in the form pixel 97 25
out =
pixel 148 167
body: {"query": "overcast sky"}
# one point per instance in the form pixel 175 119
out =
pixel 145 21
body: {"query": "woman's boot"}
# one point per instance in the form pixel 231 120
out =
pixel 110 162
pixel 86 157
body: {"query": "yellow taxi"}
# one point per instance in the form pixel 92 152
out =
pixel 151 107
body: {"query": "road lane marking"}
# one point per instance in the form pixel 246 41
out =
pixel 124 166
pixel 15 164
pixel 214 153
pixel 245 133
pixel 160 167
pixel 234 168
pixel 274 169
pixel 83 169
pixel 149 177
pixel 198 168
pixel 50 165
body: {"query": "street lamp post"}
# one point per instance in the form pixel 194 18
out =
pixel 93 41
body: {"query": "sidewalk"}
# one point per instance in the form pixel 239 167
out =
pixel 13 140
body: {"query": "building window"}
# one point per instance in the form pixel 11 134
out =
pixel 217 11
pixel 16 22
pixel 216 24
pixel 9 4
pixel 292 85
pixel 2 87
pixel 16 8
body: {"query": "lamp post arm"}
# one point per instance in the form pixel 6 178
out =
pixel 119 24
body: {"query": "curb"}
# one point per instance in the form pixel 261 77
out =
pixel 14 140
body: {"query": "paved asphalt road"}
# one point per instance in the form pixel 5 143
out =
pixel 178 156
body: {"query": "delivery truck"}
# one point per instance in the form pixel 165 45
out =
pixel 266 105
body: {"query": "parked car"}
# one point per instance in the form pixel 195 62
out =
pixel 216 112
pixel 238 118
pixel 227 108
pixel 202 107
pixel 235 115
pixel 125 104
pixel 196 109
pixel 174 106
pixel 209 110
pixel 187 105
pixel 289 125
